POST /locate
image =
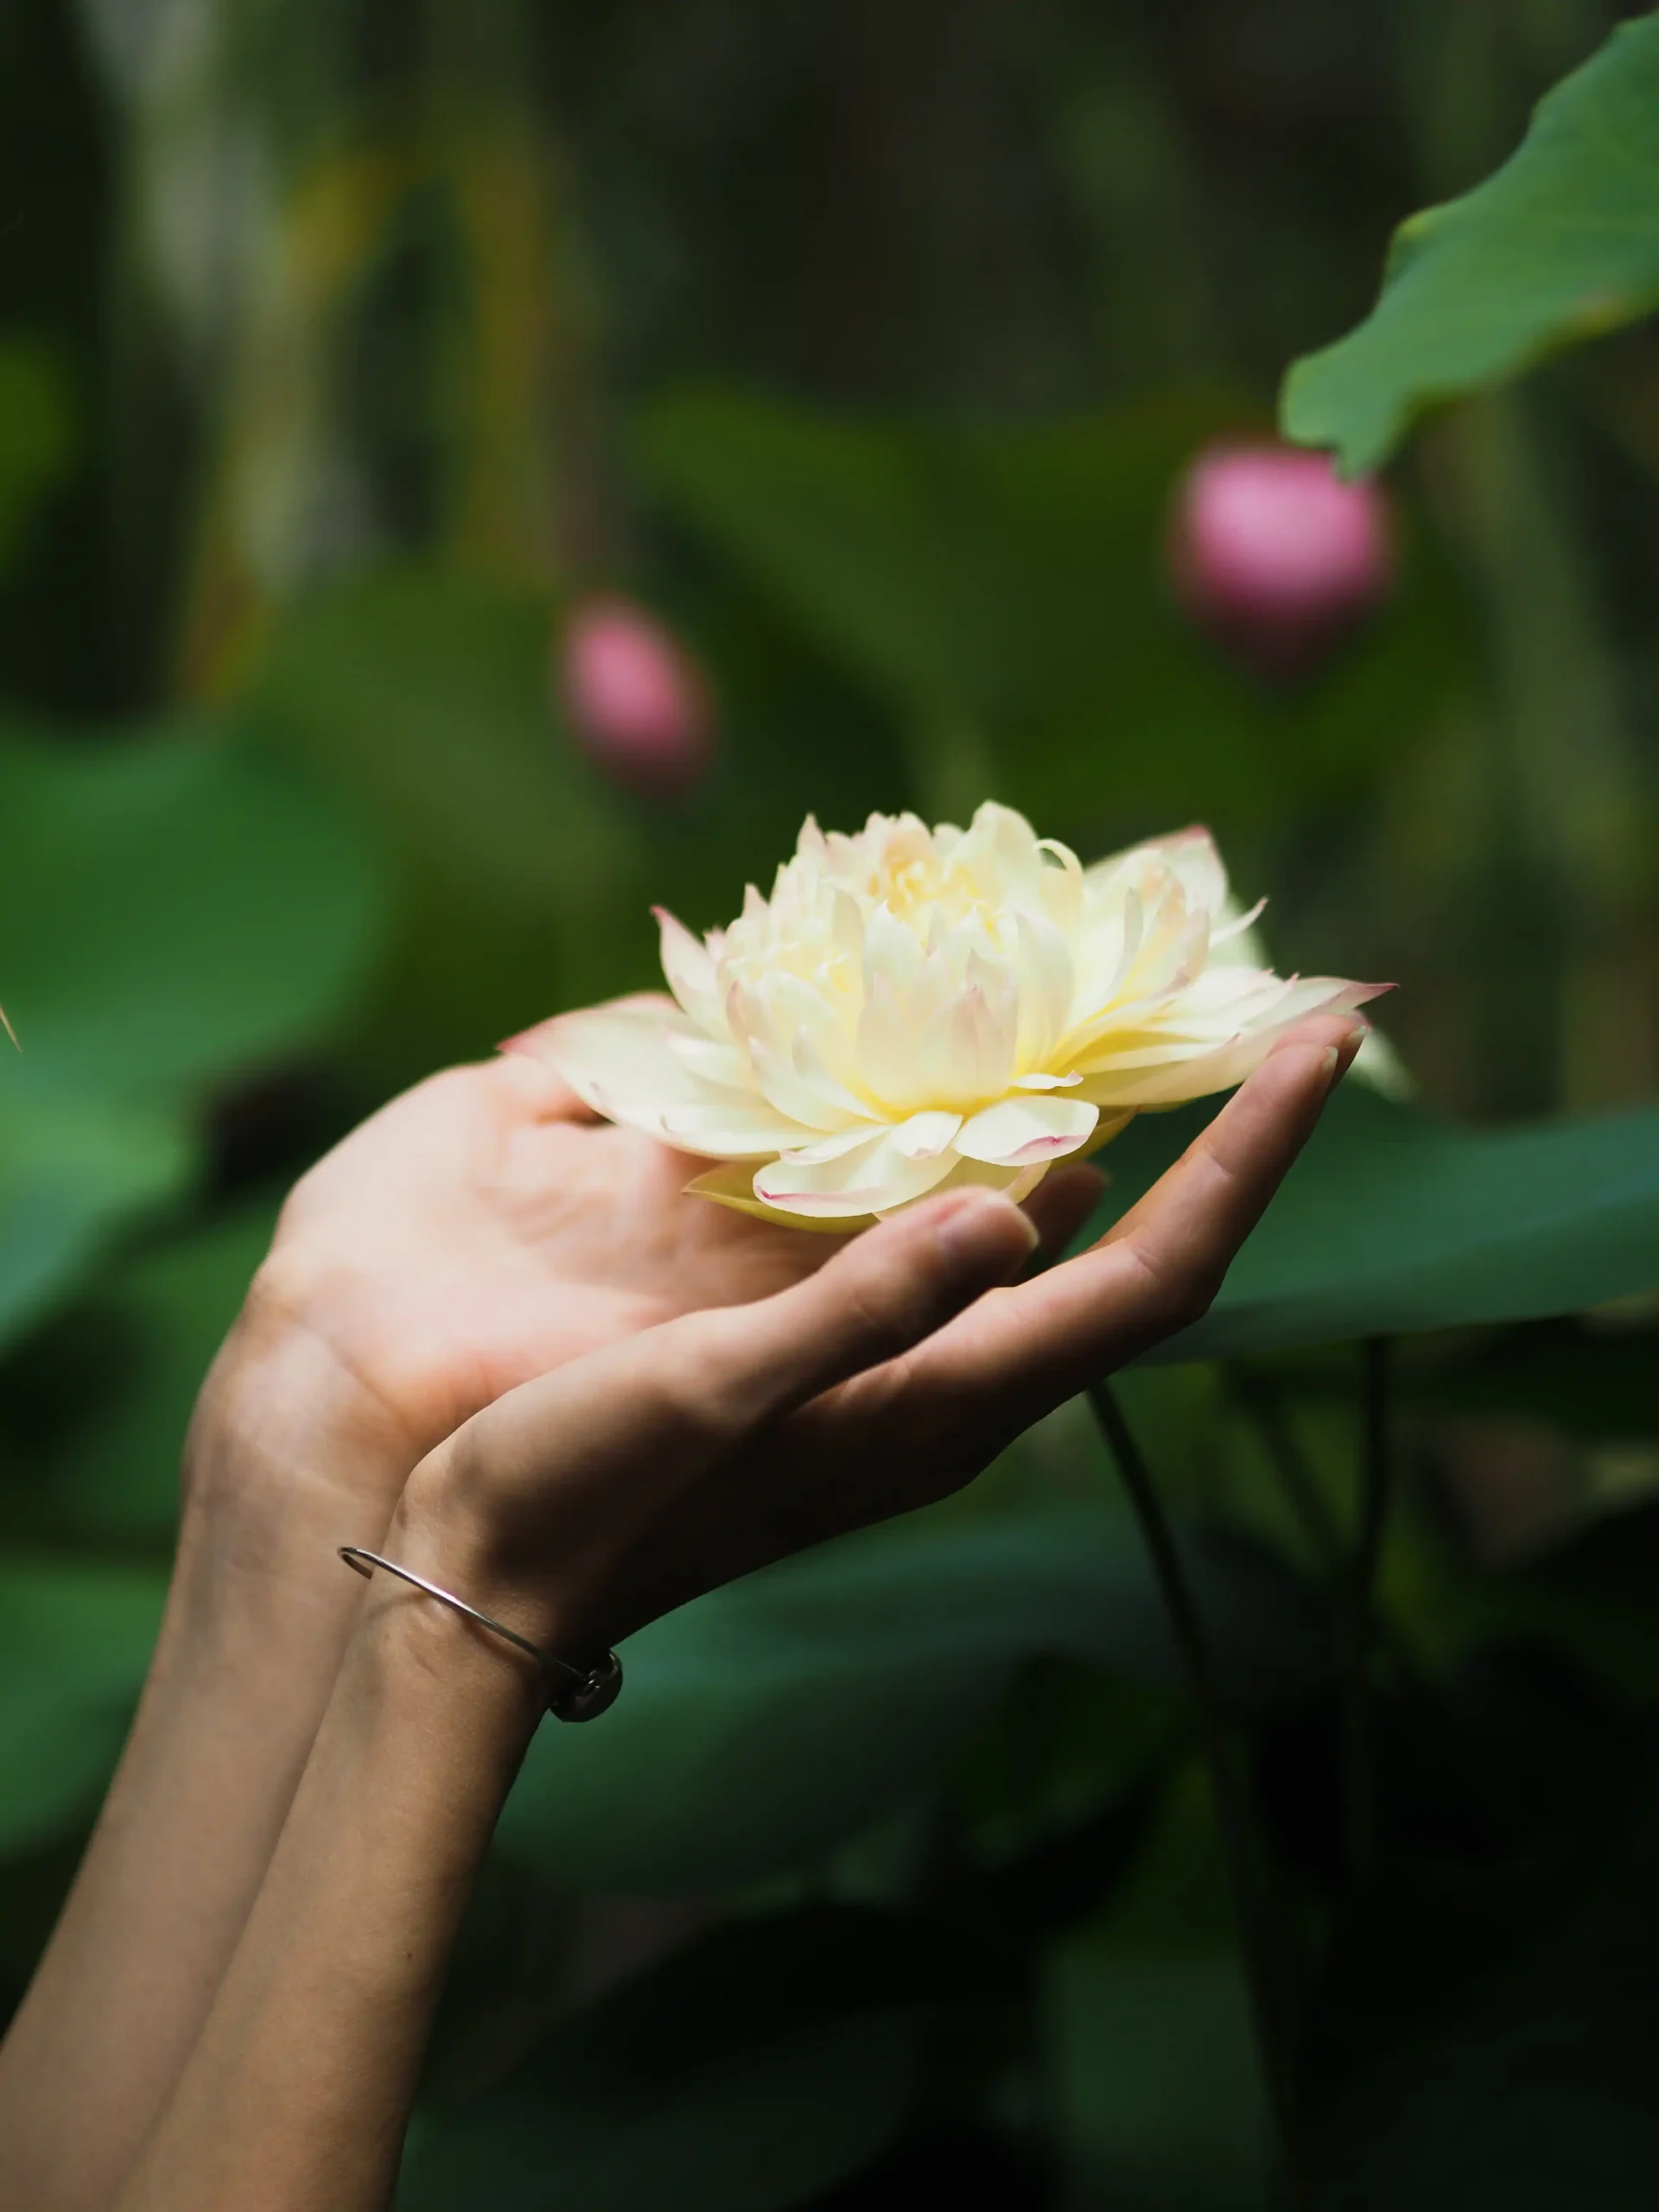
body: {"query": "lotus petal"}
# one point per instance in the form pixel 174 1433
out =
pixel 1019 1132
pixel 911 1008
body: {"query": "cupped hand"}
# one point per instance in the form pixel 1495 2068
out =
pixel 482 1229
pixel 588 1502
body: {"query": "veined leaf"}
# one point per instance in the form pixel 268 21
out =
pixel 1560 244
pixel 172 913
pixel 1393 1221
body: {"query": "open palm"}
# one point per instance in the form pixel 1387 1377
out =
pixel 485 1228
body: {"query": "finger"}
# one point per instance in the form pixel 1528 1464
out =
pixel 1061 1204
pixel 898 1434
pixel 535 1085
pixel 1187 1229
pixel 1156 1271
pixel 678 1393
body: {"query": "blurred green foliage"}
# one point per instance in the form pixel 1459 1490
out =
pixel 998 589
pixel 176 913
pixel 778 1716
pixel 1394 1221
pixel 1562 244
pixel 867 345
pixel 73 1648
pixel 34 439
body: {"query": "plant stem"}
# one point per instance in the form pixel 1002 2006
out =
pixel 1376 1458
pixel 1263 1965
pixel 1263 1406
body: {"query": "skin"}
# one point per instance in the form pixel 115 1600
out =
pixel 494 1340
pixel 482 1229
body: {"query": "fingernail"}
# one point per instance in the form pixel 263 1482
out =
pixel 1348 1051
pixel 1331 1063
pixel 984 1230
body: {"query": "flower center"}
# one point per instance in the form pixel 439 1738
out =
pixel 916 889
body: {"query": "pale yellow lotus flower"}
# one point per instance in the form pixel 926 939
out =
pixel 914 1009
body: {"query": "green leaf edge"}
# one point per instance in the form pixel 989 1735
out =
pixel 1304 413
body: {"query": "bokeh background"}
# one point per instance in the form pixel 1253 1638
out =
pixel 346 350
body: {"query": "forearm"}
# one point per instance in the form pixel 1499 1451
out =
pixel 286 1464
pixel 546 1511
pixel 297 2094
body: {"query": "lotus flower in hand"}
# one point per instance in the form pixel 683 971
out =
pixel 912 1009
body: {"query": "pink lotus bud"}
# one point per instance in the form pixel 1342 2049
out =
pixel 1274 555
pixel 636 701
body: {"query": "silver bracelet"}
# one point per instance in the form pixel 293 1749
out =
pixel 591 1691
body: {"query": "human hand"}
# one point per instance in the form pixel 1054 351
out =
pixel 482 1229
pixel 588 1502
pixel 477 1233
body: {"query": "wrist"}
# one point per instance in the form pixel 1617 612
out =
pixel 286 1443
pixel 442 1527
pixel 414 1662
pixel 288 1458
